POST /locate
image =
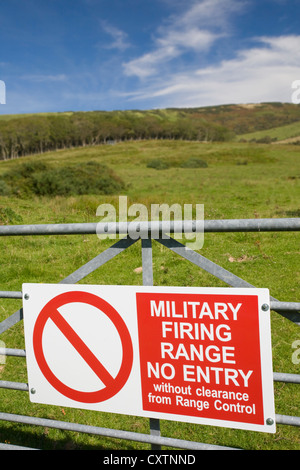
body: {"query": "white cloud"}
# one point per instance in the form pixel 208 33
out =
pixel 211 13
pixel 192 38
pixel 196 29
pixel 120 38
pixel 261 73
pixel 148 64
pixel 169 47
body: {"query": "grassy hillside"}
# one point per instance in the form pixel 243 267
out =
pixel 22 135
pixel 286 134
pixel 239 180
pixel 239 118
pixel 245 118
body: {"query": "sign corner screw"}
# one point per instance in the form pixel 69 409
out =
pixel 26 296
pixel 270 421
pixel 265 307
pixel 32 390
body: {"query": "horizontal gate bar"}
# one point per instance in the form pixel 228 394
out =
pixel 114 433
pixel 277 377
pixel 6 294
pixel 288 378
pixel 275 305
pixel 284 306
pixel 180 226
pixel 12 352
pixel 14 447
pixel 252 225
pixel 289 420
pixel 14 385
pixel 129 435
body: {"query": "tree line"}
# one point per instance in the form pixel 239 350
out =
pixel 30 134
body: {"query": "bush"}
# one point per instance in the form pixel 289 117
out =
pixel 41 180
pixel 194 163
pixel 158 164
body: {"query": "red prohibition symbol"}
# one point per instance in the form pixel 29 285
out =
pixel 112 385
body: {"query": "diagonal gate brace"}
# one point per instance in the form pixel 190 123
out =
pixel 77 275
pixel 219 272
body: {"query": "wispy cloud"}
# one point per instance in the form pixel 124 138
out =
pixel 119 37
pixel 200 53
pixel 169 47
pixel 261 73
pixel 40 78
pixel 195 30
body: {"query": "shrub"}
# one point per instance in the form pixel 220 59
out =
pixel 194 163
pixel 41 180
pixel 158 164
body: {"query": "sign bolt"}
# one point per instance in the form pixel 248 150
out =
pixel 26 296
pixel 265 307
pixel 32 390
pixel 270 421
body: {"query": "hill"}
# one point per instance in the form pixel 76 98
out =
pixel 289 133
pixel 27 134
pixel 247 118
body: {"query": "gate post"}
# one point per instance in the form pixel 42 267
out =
pixel 148 281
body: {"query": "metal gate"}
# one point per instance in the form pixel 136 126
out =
pixel 289 310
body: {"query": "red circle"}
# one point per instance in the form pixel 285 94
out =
pixel 113 385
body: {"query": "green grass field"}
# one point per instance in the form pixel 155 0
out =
pixel 240 181
pixel 281 133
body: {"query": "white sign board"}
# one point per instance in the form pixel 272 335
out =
pixel 199 355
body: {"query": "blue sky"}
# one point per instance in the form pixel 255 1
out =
pixel 81 55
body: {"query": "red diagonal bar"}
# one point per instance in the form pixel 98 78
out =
pixel 82 349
